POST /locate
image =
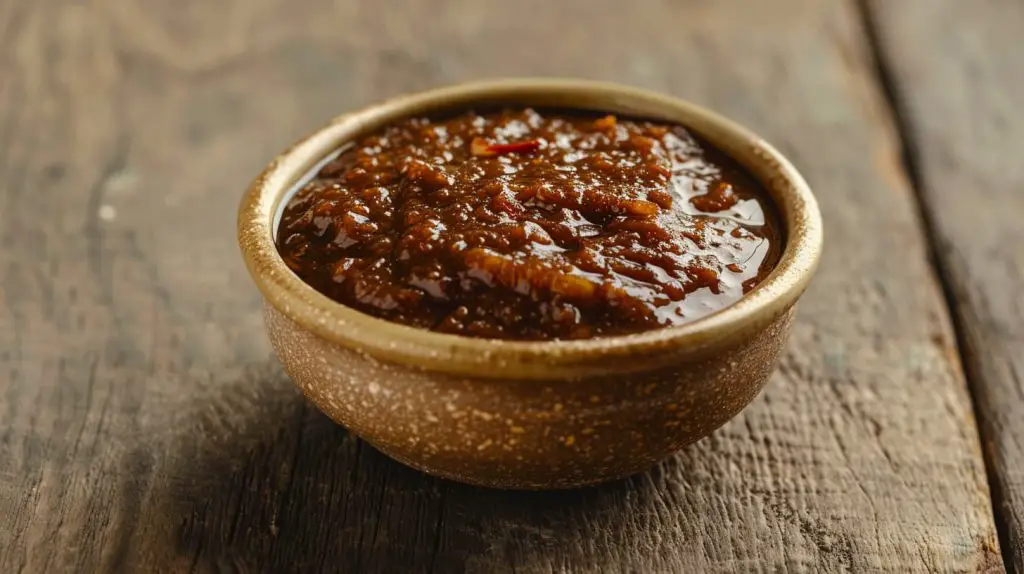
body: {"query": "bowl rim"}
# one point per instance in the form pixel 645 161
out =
pixel 380 339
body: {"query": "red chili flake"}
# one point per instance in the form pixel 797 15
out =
pixel 479 147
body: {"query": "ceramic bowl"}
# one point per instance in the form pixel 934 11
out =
pixel 529 415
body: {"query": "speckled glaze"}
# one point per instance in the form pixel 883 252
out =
pixel 532 415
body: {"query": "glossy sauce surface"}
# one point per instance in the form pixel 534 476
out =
pixel 531 225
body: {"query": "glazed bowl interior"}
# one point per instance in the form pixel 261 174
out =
pixel 263 203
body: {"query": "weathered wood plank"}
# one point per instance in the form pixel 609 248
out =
pixel 145 425
pixel 958 75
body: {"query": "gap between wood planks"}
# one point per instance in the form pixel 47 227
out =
pixel 909 161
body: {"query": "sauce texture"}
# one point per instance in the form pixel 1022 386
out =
pixel 531 225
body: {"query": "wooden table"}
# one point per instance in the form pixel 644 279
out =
pixel 145 426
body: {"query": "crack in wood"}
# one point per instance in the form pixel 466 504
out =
pixel 910 162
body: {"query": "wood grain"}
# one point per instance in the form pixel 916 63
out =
pixel 958 76
pixel 145 425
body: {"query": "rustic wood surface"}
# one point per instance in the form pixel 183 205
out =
pixel 957 74
pixel 145 426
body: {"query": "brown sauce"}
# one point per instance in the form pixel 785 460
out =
pixel 531 225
